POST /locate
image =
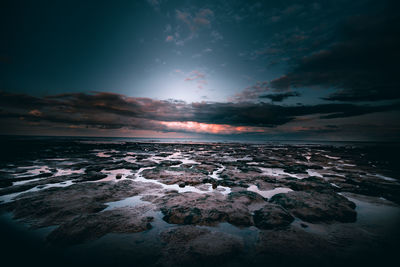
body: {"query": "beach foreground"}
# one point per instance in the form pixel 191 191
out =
pixel 126 203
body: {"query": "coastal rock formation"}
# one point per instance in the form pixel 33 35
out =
pixel 317 207
pixel 271 216
pixel 208 209
pixel 58 205
pixel 175 175
pixel 203 203
pixel 92 226
pixel 190 245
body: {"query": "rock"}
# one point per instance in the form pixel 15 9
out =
pixel 194 208
pixel 271 216
pixel 292 247
pixel 166 163
pixel 118 176
pixel 122 165
pixel 5 183
pixel 188 215
pixel 207 168
pixel 95 168
pixel 91 176
pixel 37 183
pixel 43 175
pixel 246 197
pixel 296 169
pixel 245 168
pixel 190 245
pixel 140 157
pixel 174 175
pixel 79 210
pixel 370 186
pixel 207 180
pixel 315 167
pixel 48 207
pixel 92 226
pixel 317 207
pixel 308 184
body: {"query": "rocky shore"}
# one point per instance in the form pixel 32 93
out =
pixel 204 204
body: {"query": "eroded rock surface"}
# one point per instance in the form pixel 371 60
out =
pixel 206 199
pixel 209 209
pixel 292 246
pixel 56 206
pixel 317 207
pixel 190 245
pixel 92 226
pixel 272 216
pixel 175 175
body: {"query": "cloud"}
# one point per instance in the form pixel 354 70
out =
pixel 102 110
pixel 251 93
pixel 361 64
pixel 280 97
pixel 203 17
pixel 194 21
pixel 35 113
pixel 192 126
pixel 201 21
pixel 290 10
pixel 155 4
pixel 168 28
pixel 216 36
pixel 185 17
pixel 195 75
pixel 198 77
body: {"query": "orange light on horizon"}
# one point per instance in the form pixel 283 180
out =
pixel 199 127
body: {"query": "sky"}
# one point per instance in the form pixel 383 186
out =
pixel 263 70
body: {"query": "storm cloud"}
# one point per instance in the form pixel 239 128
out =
pixel 280 97
pixel 114 111
pixel 361 63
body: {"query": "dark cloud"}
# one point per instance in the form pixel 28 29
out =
pixel 24 100
pixel 280 97
pixel 114 111
pixel 362 63
pixel 331 126
pixel 252 92
pixel 270 115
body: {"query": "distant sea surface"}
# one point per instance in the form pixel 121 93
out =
pixel 5 138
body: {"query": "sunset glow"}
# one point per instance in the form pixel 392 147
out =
pixel 198 127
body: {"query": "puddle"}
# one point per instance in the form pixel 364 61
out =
pixel 10 197
pixel 207 187
pixel 127 202
pixel 314 173
pixel 33 170
pixel 268 193
pixel 385 178
pixel 278 172
pixel 217 172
